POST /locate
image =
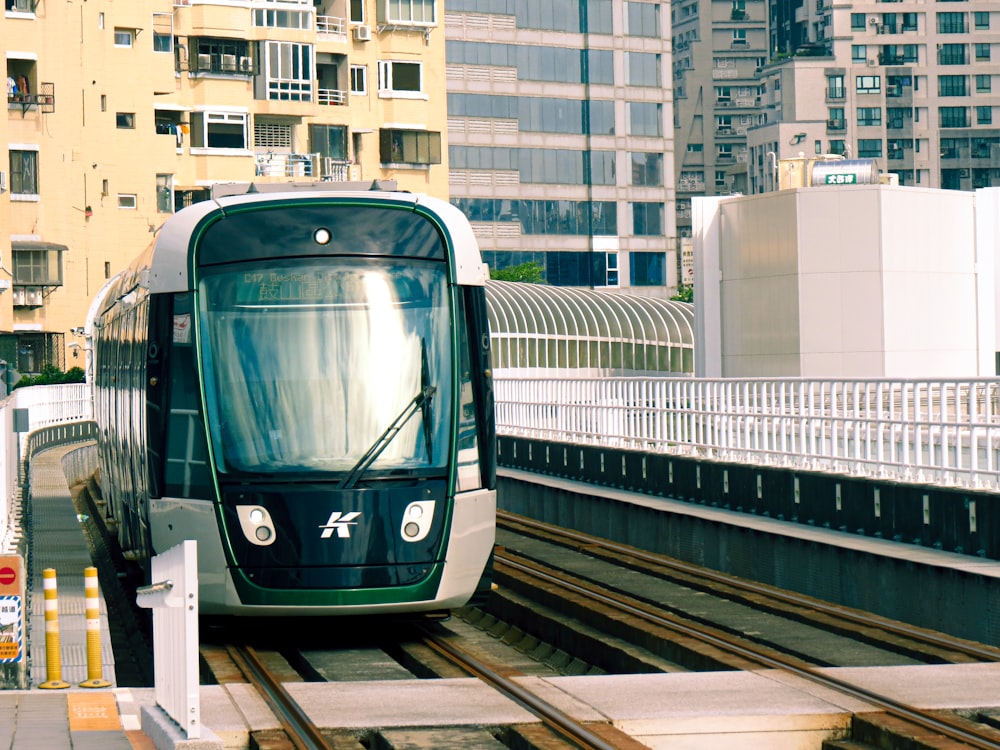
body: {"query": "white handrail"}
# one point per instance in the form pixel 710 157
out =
pixel 944 432
pixel 46 405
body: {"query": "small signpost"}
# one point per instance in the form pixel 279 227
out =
pixel 11 621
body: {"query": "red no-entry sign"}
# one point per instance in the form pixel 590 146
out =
pixel 10 574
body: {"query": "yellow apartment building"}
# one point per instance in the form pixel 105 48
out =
pixel 121 113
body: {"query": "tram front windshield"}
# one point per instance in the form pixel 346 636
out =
pixel 308 364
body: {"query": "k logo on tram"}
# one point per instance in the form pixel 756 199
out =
pixel 341 523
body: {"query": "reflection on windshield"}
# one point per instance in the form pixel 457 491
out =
pixel 309 363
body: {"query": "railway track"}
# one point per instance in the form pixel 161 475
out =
pixel 269 672
pixel 918 644
pixel 736 649
pixel 925 646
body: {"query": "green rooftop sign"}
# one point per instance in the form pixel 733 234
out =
pixel 842 179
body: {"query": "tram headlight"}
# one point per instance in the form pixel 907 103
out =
pixel 417 520
pixel 256 524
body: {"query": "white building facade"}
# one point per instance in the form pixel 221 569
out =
pixel 853 281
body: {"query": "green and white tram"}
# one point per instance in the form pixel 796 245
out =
pixel 301 382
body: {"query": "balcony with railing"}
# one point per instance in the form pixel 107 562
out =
pixel 280 165
pixel 332 79
pixel 315 166
pixel 331 97
pixel 337 170
pixel 214 56
pixel 690 185
pixel 331 27
pixel 44 101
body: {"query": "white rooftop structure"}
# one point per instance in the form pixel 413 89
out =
pixel 851 281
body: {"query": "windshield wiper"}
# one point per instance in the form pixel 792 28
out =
pixel 420 402
pixel 425 405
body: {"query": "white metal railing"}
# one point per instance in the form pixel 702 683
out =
pixel 331 25
pixel 943 432
pixel 173 597
pixel 335 170
pixel 331 97
pixel 285 165
pixel 47 405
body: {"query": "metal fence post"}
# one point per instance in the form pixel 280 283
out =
pixel 173 597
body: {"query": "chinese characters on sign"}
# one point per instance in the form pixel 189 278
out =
pixel 841 179
pixel 10 628
pixel 287 287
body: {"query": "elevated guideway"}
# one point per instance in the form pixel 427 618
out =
pixel 658 710
pixel 878 494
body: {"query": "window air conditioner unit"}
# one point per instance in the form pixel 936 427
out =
pixel 18 296
pixel 872 62
pixel 33 296
pixel 204 62
pixel 362 33
pixel 245 65
pixel 229 63
pixel 873 20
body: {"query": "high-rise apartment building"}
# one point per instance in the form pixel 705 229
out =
pixel 120 113
pixel 719 46
pixel 559 137
pixel 914 85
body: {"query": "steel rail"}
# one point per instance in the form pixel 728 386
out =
pixel 559 721
pixel 981 651
pixel 301 731
pixel 946 728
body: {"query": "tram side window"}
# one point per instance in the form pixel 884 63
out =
pixel 476 432
pixel 187 469
pixel 469 476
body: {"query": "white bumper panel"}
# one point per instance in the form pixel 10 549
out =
pixel 473 534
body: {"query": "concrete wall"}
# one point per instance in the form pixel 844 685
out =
pixel 860 543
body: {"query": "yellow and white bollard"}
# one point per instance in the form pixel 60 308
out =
pixel 53 644
pixel 95 676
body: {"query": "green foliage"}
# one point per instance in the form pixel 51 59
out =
pixel 52 375
pixel 531 272
pixel 685 293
